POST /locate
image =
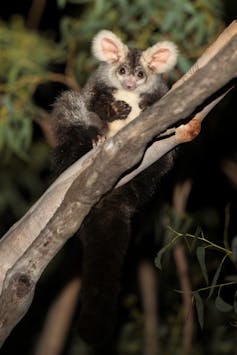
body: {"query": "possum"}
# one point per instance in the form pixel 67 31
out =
pixel 127 81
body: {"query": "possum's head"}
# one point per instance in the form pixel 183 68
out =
pixel 133 69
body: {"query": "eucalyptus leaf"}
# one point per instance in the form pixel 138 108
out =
pixel 200 35
pixel 169 20
pixel 183 63
pixel 159 256
pixel 198 231
pixel 215 279
pixel 235 302
pixel 201 259
pixel 61 3
pixel 189 7
pixel 1 135
pixel 79 1
pixel 199 308
pixel 188 244
pixel 234 249
pixel 191 26
pixel 222 306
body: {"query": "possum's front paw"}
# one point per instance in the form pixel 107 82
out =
pixel 121 109
pixel 99 140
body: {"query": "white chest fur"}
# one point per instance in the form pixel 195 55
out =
pixel 132 99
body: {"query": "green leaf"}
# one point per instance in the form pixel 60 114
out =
pixel 168 21
pixel 160 255
pixel 235 302
pixel 222 306
pixel 1 135
pixel 198 232
pixel 78 1
pixel 234 249
pixel 188 244
pixel 201 259
pixel 61 3
pixel 184 64
pixel 199 308
pixel 189 7
pixel 215 278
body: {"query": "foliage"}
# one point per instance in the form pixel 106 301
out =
pixel 24 60
pixel 203 246
pixel 19 190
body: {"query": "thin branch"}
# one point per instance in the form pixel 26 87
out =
pixel 70 65
pixel 58 320
pixel 35 13
pixel 223 284
pixel 182 270
pixel 229 167
pixel 148 286
pixel 226 227
pixel 180 197
pixel 45 124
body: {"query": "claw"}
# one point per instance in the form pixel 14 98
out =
pixel 99 140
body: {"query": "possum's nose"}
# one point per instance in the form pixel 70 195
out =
pixel 130 83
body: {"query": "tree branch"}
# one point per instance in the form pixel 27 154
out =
pixel 58 320
pixel 30 244
pixel 180 198
pixel 148 288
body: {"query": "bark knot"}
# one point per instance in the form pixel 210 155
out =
pixel 23 285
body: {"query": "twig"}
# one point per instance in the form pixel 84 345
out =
pixel 44 122
pixel 230 283
pixel 229 167
pixel 71 57
pixel 226 227
pixel 148 287
pixel 35 13
pixel 181 194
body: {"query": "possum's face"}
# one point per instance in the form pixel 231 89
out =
pixel 130 73
pixel 133 69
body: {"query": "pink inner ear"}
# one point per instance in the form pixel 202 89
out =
pixel 110 50
pixel 160 57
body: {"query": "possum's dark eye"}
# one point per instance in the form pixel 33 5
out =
pixel 122 70
pixel 140 74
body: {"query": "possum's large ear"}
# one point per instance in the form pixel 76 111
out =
pixel 161 57
pixel 107 47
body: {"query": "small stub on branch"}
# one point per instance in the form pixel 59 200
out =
pixel 187 132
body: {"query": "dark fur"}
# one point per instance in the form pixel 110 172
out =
pixel 133 58
pixel 149 99
pixel 106 231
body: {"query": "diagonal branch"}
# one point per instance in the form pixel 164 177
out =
pixel 30 244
